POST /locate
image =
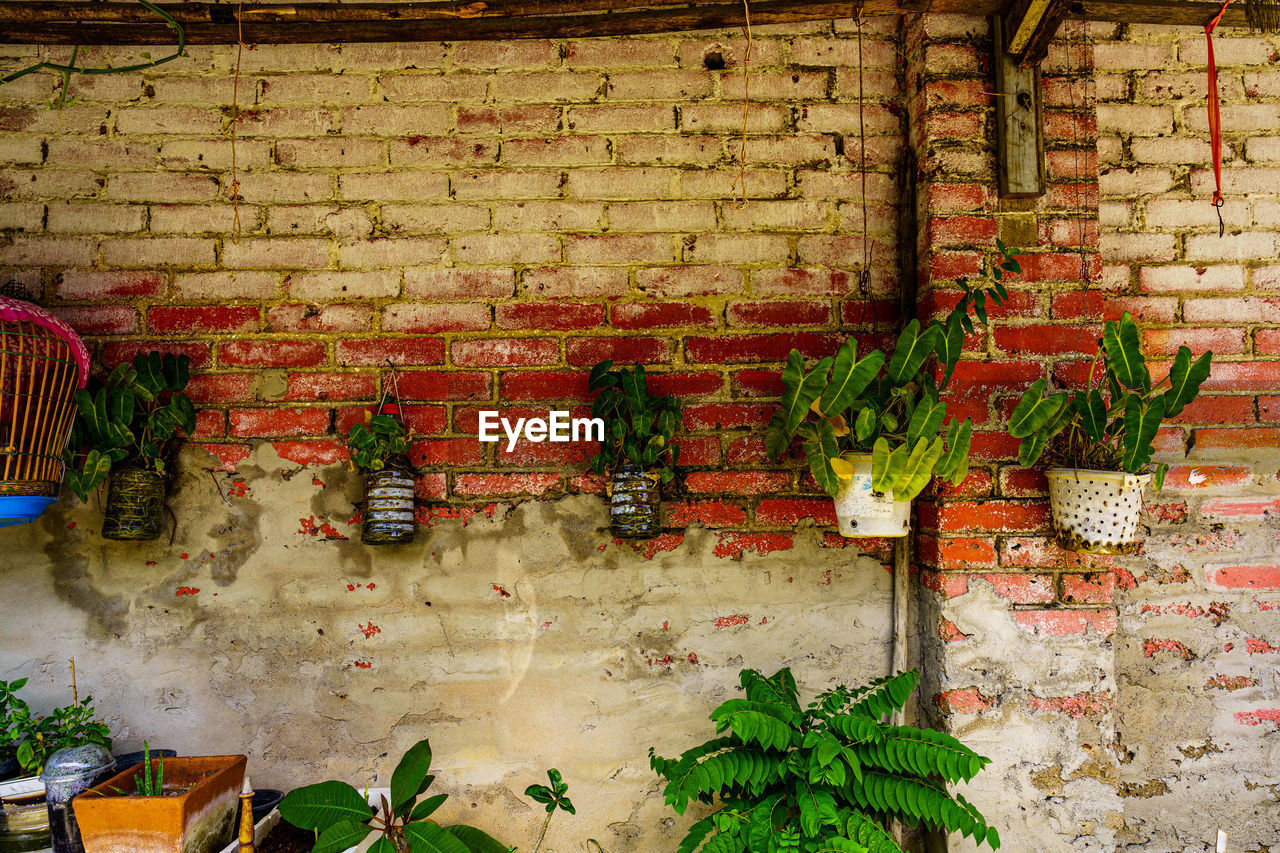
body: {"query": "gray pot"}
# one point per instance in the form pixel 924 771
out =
pixel 635 507
pixel 388 507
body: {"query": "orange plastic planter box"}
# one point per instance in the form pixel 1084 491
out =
pixel 198 817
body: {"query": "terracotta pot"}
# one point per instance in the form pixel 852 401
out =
pixel 198 818
pixel 135 504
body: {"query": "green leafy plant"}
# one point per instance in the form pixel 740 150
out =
pixel 1112 430
pixel 823 777
pixel 886 405
pixel 637 427
pixel 342 817
pixel 553 796
pixel 133 416
pixel 380 441
pixel 41 737
pixel 13 710
pixel 149 785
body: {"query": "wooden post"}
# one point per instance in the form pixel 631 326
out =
pixel 1019 122
pixel 1030 25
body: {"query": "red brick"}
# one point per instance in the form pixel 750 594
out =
pixel 1047 339
pixel 757 348
pixel 621 350
pixel 655 315
pixel 272 354
pixel 1062 623
pixel 689 281
pixel 955 553
pixel 322 387
pixel 549 316
pixel 735 545
pixel 228 455
pixel 802 282
pixel 791 511
pixel 1096 305
pixel 698 450
pixel 319 318
pixel 977 483
pixel 401 351
pixel 117 353
pixel 220 387
pixel 1264 577
pixel 96 284
pixel 258 423
pixel 494 485
pixel 1237 439
pixel 1217 410
pixel 993 516
pixel 684 383
pixel 1238 376
pixel 1022 483
pixel 1051 266
pixel 210 423
pixel 446 451
pixel 749 450
pixel 720 416
pixel 708 513
pixel 434 385
pixel 1189 477
pixel 212 319
pixel 506 352
pixel 778 313
pixel 527 453
pixel 433 318
pixel 738 482
pixel 99 319
pixel 961 230
pixel 544 385
pixel 418 420
pixel 315 453
pixel 757 383
pixel 1022 588
pixel 994 377
pixel 964 701
pixel 945 584
pixel 1076 706
pixel 1165 342
pixel 1098 588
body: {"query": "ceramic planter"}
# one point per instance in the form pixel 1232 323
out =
pixel 198 818
pixel 861 511
pixel 1096 512
pixel 634 504
pixel 388 507
pixel 135 504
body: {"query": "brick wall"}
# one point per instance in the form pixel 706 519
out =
pixel 494 218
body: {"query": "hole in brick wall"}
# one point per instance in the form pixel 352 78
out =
pixel 839 140
pixel 714 61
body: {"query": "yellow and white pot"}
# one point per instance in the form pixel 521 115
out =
pixel 861 511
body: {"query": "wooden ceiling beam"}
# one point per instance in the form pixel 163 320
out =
pixel 62 22
pixel 1029 26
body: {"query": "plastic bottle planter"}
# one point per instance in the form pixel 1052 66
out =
pixel 634 505
pixel 1096 512
pixel 388 508
pixel 135 504
pixel 862 511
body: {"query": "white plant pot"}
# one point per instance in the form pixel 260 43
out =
pixel 861 511
pixel 1096 512
pixel 268 823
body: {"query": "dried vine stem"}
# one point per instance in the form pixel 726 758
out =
pixel 740 182
pixel 70 67
pixel 233 188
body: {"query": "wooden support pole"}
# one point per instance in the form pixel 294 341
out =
pixel 1019 123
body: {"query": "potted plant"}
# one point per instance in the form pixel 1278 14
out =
pixel 126 428
pixel 823 776
pixel 380 448
pixel 40 737
pixel 13 711
pixel 175 805
pixel 869 426
pixel 1099 442
pixel 636 451
pixel 342 817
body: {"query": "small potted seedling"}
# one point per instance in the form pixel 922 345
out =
pixel 126 432
pixel 870 426
pixel 162 806
pixel 1099 442
pixel 637 452
pixel 380 448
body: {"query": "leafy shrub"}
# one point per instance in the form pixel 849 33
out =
pixel 637 427
pixel 1115 432
pixel 888 406
pixel 40 737
pixel 823 777
pixel 381 441
pixel 133 416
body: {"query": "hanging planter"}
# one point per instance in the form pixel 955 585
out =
pixel 870 426
pixel 1096 512
pixel 636 451
pixel 862 511
pixel 127 428
pixel 135 504
pixel 380 448
pixel 1101 447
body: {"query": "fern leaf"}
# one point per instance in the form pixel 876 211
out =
pixel 779 690
pixel 767 724
pixel 855 728
pixel 838 844
pixel 922 752
pixel 917 801
pixel 870 834
pixel 696 835
pixel 887 695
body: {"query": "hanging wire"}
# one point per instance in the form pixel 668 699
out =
pixel 740 182
pixel 233 189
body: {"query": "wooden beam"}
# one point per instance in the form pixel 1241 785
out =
pixel 1030 25
pixel 61 22
pixel 1019 123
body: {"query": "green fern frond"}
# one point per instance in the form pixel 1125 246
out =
pixel 780 689
pixel 772 726
pixel 696 835
pixel 871 835
pixel 856 728
pixel 838 844
pixel 730 768
pixel 922 752
pixel 887 695
pixel 917 801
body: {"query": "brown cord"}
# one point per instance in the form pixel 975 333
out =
pixel 740 182
pixel 233 189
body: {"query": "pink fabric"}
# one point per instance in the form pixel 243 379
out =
pixel 17 311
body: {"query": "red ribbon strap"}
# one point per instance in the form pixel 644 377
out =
pixel 1215 119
